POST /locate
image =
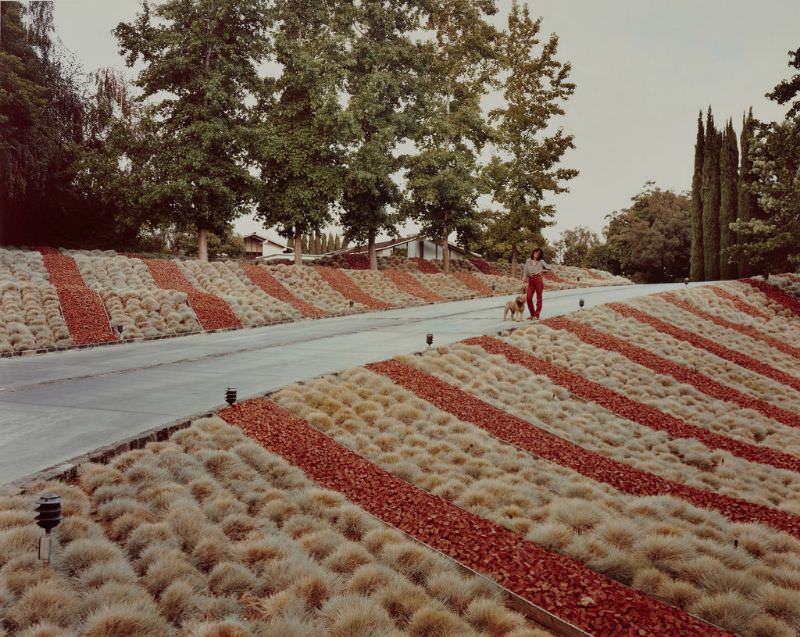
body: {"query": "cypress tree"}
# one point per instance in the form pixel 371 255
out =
pixel 747 202
pixel 728 199
pixel 713 143
pixel 696 258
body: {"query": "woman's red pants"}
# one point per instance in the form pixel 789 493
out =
pixel 535 284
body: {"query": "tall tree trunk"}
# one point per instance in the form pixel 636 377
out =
pixel 373 253
pixel 514 261
pixel 202 244
pixel 298 247
pixel 445 250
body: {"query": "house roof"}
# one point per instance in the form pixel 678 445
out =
pixel 399 241
pixel 258 237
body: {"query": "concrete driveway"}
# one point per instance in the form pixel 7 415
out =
pixel 59 405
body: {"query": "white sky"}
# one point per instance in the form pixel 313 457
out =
pixel 643 69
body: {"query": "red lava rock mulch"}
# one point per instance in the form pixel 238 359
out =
pixel 558 584
pixel 543 444
pixel 633 410
pixel 684 374
pixel 483 266
pixel 425 266
pixel 469 280
pixel 212 312
pixel 738 303
pixel 83 309
pixel 747 330
pixel 345 286
pixel 273 287
pixel 776 294
pixel 700 342
pixel 356 261
pixel 412 286
pixel 554 278
pixel 594 275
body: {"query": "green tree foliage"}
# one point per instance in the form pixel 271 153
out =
pixel 530 151
pixel 649 240
pixel 696 257
pixel 383 84
pixel 747 207
pixel 769 233
pixel 302 128
pixel 711 194
pixel 200 68
pixel 442 178
pixel 728 203
pixel 229 245
pixel 48 113
pixel 575 246
pixel 789 89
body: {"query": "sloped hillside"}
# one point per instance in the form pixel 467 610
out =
pixel 653 444
pixel 59 298
pixel 208 535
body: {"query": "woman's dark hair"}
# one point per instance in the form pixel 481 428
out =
pixel 539 250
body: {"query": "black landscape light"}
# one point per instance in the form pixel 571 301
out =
pixel 579 279
pixel 230 395
pixel 686 281
pixel 581 303
pixel 429 339
pixel 766 276
pixel 119 329
pixel 351 303
pixel 48 517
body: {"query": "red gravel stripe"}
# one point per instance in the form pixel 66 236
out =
pixel 549 276
pixel 701 382
pixel 594 275
pixel 83 309
pixel 776 294
pixel 345 286
pixel 212 312
pixel 408 284
pixel 700 342
pixel 425 266
pixel 554 582
pixel 544 444
pixel 633 410
pixel 747 330
pixel 473 283
pixel 270 285
pixel 483 266
pixel 738 303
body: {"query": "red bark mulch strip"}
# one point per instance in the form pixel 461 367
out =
pixel 738 303
pixel 82 307
pixel 776 294
pixel 270 285
pixel 212 312
pixel 474 284
pixel 406 282
pixel 548 446
pixel 483 266
pixel 425 266
pixel 554 278
pixel 554 582
pixel 700 342
pixel 345 286
pixel 594 275
pixel 633 410
pixel 682 373
pixel 747 330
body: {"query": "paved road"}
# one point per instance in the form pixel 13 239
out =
pixel 59 405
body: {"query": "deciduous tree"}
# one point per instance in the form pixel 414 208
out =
pixel 575 246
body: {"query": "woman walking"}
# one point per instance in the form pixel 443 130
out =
pixel 533 275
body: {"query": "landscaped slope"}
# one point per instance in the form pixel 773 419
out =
pixel 56 299
pixel 208 535
pixel 655 443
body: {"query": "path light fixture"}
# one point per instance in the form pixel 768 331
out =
pixel 686 281
pixel 429 339
pixel 579 279
pixel 351 303
pixel 766 276
pixel 581 303
pixel 230 395
pixel 48 517
pixel 119 329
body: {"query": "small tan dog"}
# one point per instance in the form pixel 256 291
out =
pixel 515 307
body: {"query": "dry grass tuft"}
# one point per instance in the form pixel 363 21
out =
pixel 22 572
pixel 49 602
pixel 487 617
pixel 17 541
pixel 125 620
pixel 45 629
pixel 226 628
pixel 230 578
pixel 430 621
pixel 83 553
pixel 181 601
pixel 356 616
pixel 729 610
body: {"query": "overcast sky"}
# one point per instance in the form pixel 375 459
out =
pixel 643 69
